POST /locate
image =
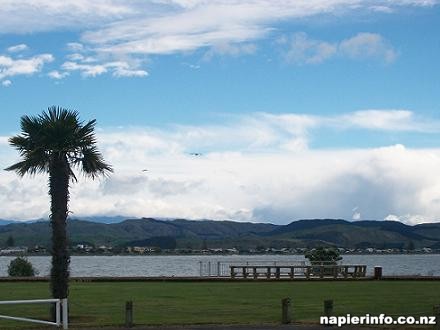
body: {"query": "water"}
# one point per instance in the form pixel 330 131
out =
pixel 117 266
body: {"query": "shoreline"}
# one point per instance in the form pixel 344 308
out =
pixel 206 254
pixel 91 279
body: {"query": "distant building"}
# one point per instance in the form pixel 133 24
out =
pixel 13 250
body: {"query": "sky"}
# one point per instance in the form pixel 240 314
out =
pixel 253 110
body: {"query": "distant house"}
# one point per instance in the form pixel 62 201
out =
pixel 83 247
pixel 104 248
pixel 13 250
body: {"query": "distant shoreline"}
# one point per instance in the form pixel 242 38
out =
pixel 205 254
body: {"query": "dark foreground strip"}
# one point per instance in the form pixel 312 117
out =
pixel 230 327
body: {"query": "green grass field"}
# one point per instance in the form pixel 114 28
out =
pixel 99 304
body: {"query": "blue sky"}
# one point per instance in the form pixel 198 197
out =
pixel 271 88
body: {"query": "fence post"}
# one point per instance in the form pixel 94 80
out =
pixel 201 268
pixel 328 307
pixel 58 312
pixel 65 314
pixel 436 313
pixel 218 268
pixel 128 314
pixel 377 272
pixel 286 316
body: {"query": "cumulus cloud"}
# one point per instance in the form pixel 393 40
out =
pixel 367 45
pixel 87 70
pixel 17 48
pixel 6 83
pixel 301 49
pixel 246 170
pixel 123 70
pixel 57 75
pixel 75 46
pixel 392 120
pixel 10 67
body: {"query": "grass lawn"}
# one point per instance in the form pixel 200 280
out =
pixel 98 304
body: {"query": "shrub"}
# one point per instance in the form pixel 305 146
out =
pixel 324 256
pixel 20 266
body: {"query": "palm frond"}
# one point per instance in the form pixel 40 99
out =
pixel 30 126
pixel 85 135
pixel 21 143
pixel 60 131
pixel 34 161
pixel 93 164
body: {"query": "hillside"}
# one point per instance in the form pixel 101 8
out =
pixel 360 234
pixel 228 234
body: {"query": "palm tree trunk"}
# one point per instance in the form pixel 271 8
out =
pixel 59 193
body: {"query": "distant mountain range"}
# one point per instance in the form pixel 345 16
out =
pixel 107 219
pixel 228 234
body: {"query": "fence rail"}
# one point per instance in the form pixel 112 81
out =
pixel 60 320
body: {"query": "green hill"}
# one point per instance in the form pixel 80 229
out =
pixel 228 234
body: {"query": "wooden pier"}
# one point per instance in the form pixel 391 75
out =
pixel 297 271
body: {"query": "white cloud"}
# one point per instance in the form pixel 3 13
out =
pixel 396 120
pixel 277 186
pixel 24 16
pixel 393 120
pixel 115 30
pixel 382 9
pixel 10 67
pixel 227 49
pixel 123 70
pixel 118 69
pixel 75 57
pixel 367 45
pixel 57 75
pixel 6 83
pixel 17 48
pixel 75 46
pixel 245 172
pixel 300 49
pixel 87 70
pixel 182 27
pixel 411 219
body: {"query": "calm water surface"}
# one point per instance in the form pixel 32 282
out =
pixel 427 264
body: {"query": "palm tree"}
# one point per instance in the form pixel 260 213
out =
pixel 55 142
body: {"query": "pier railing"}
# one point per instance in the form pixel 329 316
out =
pixel 296 271
pixel 222 268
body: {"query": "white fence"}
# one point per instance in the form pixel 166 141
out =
pixel 61 320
